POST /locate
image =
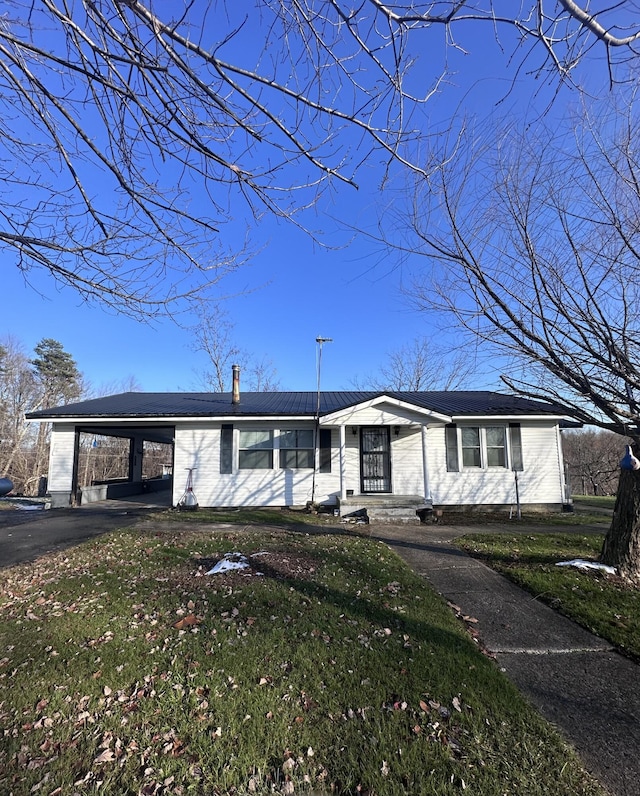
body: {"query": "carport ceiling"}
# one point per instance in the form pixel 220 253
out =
pixel 163 434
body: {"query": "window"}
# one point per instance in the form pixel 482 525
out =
pixel 496 446
pixel 482 447
pixel 296 449
pixel 515 443
pixel 255 450
pixel 471 447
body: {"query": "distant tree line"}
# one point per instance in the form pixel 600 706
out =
pixel 50 377
pixel 592 458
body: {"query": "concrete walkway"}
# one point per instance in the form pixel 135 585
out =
pixel 573 678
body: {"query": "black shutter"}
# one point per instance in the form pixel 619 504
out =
pixel 325 450
pixel 226 448
pixel 451 444
pixel 515 440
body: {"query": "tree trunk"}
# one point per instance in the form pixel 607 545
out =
pixel 621 547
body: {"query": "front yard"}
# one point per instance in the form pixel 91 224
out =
pixel 323 666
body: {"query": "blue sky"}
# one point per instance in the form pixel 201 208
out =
pixel 293 289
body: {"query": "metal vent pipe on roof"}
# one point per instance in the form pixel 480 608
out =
pixel 235 396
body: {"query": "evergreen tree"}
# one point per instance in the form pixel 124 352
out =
pixel 59 381
pixel 57 372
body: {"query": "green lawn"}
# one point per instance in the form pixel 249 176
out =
pixel 326 667
pixel 542 519
pixel 279 517
pixel 602 603
pixel 603 502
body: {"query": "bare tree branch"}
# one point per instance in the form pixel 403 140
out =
pixel 132 134
pixel 214 336
pixel 422 364
pixel 536 251
pixel 590 22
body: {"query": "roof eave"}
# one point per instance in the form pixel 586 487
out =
pixel 509 417
pixel 164 419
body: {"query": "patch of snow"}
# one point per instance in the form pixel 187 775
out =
pixel 582 564
pixel 229 562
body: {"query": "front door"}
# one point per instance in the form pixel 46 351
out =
pixel 375 459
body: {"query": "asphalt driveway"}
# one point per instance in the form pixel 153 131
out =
pixel 26 535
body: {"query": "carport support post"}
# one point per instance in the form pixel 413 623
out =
pixel 136 451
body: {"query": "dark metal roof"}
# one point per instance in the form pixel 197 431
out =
pixel 301 404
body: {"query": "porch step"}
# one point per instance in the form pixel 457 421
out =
pixel 404 516
pixel 384 508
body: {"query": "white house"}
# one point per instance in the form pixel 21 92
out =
pixel 347 449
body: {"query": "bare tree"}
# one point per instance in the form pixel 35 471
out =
pixel 19 392
pixel 533 245
pixel 127 384
pixel 131 131
pixel 213 335
pixel 421 364
pixel 262 375
pixel 592 457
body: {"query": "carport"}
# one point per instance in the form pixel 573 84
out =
pixel 66 487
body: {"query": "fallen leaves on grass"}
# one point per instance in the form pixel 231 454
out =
pixel 186 621
pixel 470 622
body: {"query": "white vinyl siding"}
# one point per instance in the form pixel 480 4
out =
pixel 406 461
pixel 198 445
pixel 61 458
pixel 540 482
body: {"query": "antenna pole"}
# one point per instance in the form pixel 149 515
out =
pixel 320 341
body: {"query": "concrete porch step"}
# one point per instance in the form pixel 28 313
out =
pixel 384 508
pixel 386 500
pixel 406 515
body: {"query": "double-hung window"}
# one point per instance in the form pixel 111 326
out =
pixel 296 449
pixel 482 447
pixel 255 450
pixel 496 439
pixel 471 449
